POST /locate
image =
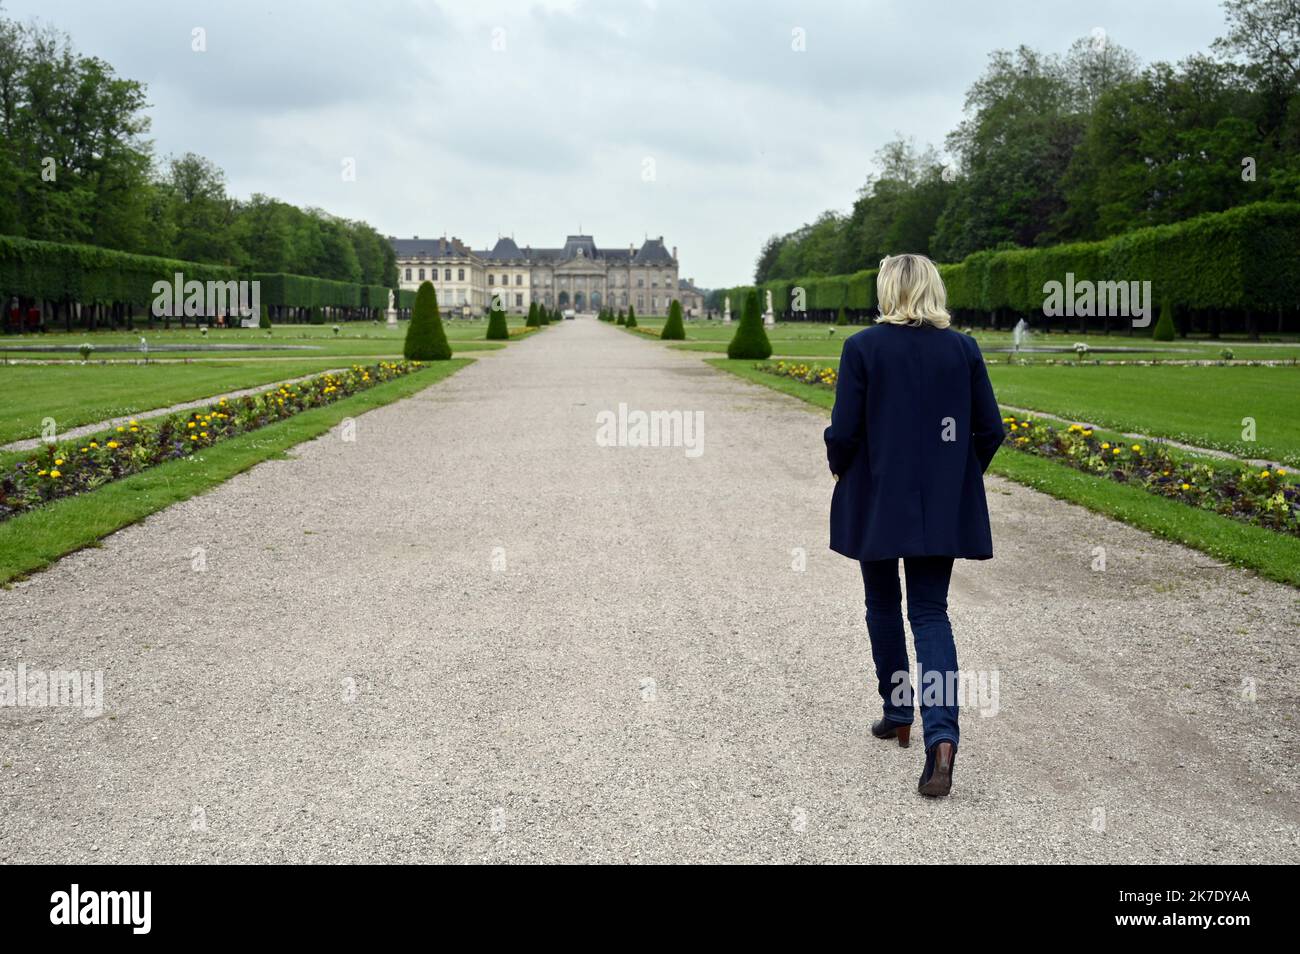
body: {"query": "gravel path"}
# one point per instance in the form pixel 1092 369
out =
pixel 639 673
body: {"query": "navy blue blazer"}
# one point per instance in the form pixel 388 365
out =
pixel 915 426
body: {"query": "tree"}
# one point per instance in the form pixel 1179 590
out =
pixel 543 317
pixel 673 329
pixel 264 321
pixel 426 340
pixel 843 317
pixel 750 341
pixel 1164 329
pixel 534 319
pixel 497 329
pixel 622 318
pixel 631 317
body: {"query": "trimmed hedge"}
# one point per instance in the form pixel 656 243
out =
pixel 497 329
pixel 85 274
pixel 673 330
pixel 750 340
pixel 300 291
pixel 1242 259
pixel 426 339
pixel 51 271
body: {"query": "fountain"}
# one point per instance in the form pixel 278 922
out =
pixel 1019 335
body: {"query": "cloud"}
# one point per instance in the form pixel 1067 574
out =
pixel 534 117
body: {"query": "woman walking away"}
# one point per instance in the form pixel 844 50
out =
pixel 915 426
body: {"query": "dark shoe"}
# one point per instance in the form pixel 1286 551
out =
pixel 884 729
pixel 936 780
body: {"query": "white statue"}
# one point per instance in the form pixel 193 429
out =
pixel 769 316
pixel 726 311
pixel 391 313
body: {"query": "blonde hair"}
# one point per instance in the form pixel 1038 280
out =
pixel 911 292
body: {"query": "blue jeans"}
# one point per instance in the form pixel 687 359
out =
pixel 936 654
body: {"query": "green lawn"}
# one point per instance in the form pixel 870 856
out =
pixel 37 538
pixel 812 340
pixel 363 341
pixel 1275 555
pixel 75 394
pixel 1202 406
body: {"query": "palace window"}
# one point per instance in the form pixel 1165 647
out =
pixel 519 279
pixel 422 274
pixel 492 279
pixel 446 274
pixel 640 283
pixel 408 274
pixel 519 300
pixel 460 276
pixel 640 301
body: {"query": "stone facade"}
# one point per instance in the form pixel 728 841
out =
pixel 579 275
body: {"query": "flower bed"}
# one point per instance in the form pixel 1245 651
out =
pixel 73 467
pixel 1266 498
pixel 814 374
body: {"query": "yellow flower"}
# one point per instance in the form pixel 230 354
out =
pixel 194 437
pixel 112 445
pixel 1281 472
pixel 133 422
pixel 58 462
pixel 1263 473
pixel 203 433
pixel 55 474
pixel 121 429
pixel 1116 450
pixel 93 444
pixel 1105 445
pixel 1137 448
pixel 134 429
pixel 1187 486
pixel 41 473
pixel 190 424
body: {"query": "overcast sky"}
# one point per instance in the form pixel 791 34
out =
pixel 691 119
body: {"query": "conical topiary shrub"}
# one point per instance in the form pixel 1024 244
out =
pixel 535 312
pixel 843 317
pixel 533 319
pixel 497 330
pixel 750 341
pixel 1164 329
pixel 673 329
pixel 543 317
pixel 631 317
pixel 622 319
pixel 425 338
pixel 264 322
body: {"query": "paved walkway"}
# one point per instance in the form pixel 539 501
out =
pixel 637 673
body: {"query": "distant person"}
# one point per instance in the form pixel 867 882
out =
pixel 915 426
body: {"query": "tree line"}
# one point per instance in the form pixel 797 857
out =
pixel 1078 147
pixel 76 167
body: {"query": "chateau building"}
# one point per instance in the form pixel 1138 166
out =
pixel 579 275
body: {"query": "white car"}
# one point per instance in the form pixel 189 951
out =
pixel 570 313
